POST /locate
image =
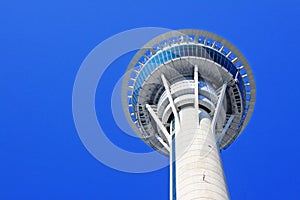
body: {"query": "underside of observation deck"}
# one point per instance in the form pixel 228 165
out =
pixel 161 81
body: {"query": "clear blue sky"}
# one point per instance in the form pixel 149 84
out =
pixel 42 44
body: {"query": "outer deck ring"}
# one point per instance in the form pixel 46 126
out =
pixel 197 34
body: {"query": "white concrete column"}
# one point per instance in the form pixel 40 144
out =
pixel 199 171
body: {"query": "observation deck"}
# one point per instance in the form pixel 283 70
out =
pixel 183 68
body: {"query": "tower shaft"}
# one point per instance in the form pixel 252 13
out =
pixel 199 171
pixel 189 95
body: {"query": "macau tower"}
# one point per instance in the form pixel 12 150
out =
pixel 189 94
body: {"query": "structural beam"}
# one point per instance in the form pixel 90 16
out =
pixel 171 149
pixel 168 147
pixel 159 123
pixel 218 108
pixel 196 101
pixel 225 129
pixel 162 142
pixel 196 86
pixel 174 110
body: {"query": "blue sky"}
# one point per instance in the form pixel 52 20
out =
pixel 43 44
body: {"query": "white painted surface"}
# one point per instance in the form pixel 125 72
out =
pixel 199 171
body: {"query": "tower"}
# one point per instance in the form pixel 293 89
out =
pixel 189 94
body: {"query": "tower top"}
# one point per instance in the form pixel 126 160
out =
pixel 169 61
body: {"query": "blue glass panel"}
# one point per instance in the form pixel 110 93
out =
pixel 167 56
pixel 185 50
pixel 178 51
